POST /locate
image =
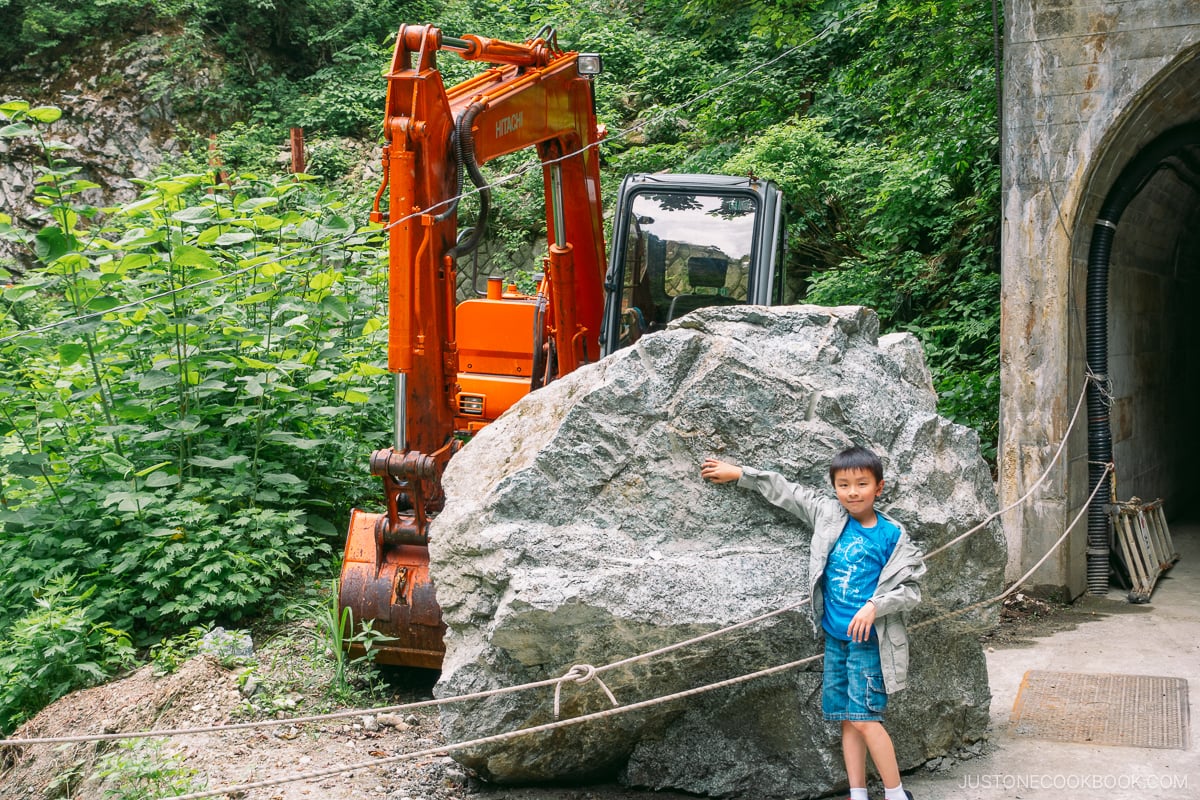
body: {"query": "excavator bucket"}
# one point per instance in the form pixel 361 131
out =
pixel 391 585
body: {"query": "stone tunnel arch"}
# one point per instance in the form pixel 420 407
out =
pixel 1087 90
pixel 1152 297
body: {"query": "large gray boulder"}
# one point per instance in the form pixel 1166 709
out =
pixel 577 531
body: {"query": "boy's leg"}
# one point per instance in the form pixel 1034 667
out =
pixel 835 696
pixel 854 753
pixel 874 737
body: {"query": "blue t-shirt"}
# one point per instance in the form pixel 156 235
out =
pixel 852 571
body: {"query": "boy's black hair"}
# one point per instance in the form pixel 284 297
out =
pixel 855 458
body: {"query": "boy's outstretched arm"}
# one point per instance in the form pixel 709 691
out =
pixel 719 471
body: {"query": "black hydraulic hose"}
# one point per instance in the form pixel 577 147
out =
pixel 458 179
pixel 466 157
pixel 1132 180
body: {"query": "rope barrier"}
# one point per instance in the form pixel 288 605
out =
pixel 577 674
pixel 581 673
pixel 587 673
pixel 1045 473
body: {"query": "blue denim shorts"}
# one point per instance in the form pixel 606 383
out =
pixel 853 686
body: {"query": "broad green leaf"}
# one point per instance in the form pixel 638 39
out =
pixel 133 261
pixel 45 114
pixel 70 353
pixel 234 237
pixel 204 274
pixel 281 479
pixel 15 294
pixel 189 424
pixel 292 440
pixel 103 303
pixel 117 463
pixel 51 244
pixel 156 379
pixel 322 280
pixel 255 203
pixel 258 297
pixel 336 307
pixel 218 463
pixel 158 480
pixel 16 129
pixel 372 325
pixel 355 396
pixel 140 206
pixel 14 106
pixel 254 363
pixel 140 237
pixel 254 386
pixel 321 525
pixel 190 256
pixel 194 214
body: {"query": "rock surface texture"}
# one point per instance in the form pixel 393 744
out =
pixel 577 531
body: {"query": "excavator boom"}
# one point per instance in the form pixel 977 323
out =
pixel 680 242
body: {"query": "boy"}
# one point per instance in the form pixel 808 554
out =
pixel 863 572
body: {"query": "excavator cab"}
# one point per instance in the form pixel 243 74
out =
pixel 682 242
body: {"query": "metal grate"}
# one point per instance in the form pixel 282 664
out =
pixel 1102 708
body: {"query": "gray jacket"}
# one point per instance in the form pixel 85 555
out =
pixel 898 589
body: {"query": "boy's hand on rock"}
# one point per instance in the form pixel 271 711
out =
pixel 860 625
pixel 719 472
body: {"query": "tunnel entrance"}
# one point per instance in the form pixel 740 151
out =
pixel 1139 235
pixel 1154 334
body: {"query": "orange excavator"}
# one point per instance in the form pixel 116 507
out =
pixel 679 242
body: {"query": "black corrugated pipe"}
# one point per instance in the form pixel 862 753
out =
pixel 1131 181
pixel 466 158
pixel 452 206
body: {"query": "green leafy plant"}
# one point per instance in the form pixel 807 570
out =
pixel 144 768
pixel 334 633
pixel 58 645
pixel 169 654
pixel 187 430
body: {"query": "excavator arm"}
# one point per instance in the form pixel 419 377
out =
pixel 459 365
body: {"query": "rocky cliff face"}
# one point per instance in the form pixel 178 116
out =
pixel 577 531
pixel 119 120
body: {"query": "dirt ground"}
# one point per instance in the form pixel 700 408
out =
pixel 289 678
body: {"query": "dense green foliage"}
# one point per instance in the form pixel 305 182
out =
pixel 182 415
pixel 191 381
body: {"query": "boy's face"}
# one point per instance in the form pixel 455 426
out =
pixel 856 491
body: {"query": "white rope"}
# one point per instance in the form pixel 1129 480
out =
pixel 1021 580
pixel 617 710
pixel 1057 453
pixel 581 673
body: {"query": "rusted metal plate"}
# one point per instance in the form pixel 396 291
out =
pixel 1103 708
